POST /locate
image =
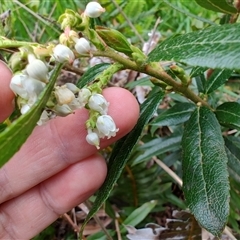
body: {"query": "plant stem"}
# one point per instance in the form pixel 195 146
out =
pixel 151 71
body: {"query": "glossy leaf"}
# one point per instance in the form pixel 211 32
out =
pixel 205 175
pixel 177 114
pixel 217 6
pixel 122 151
pixel 228 114
pixel 213 47
pixel 91 74
pixel 12 138
pixel 217 79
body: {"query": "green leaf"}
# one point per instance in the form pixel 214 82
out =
pixel 139 214
pixel 122 151
pixel 177 114
pixel 91 74
pixel 217 79
pixel 156 147
pixel 205 175
pixel 217 6
pixel 12 138
pixel 213 47
pixel 228 114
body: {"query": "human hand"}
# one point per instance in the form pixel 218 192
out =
pixel 56 169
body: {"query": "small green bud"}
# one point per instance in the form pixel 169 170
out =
pixel 115 40
pixel 69 19
pixel 138 56
pixel 180 73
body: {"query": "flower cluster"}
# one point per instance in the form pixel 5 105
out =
pixel 31 81
pixel 104 125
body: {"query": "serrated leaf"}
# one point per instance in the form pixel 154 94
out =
pixel 12 138
pixel 217 6
pixel 217 79
pixel 122 151
pixel 228 114
pixel 213 47
pixel 205 175
pixel 156 147
pixel 177 114
pixel 91 74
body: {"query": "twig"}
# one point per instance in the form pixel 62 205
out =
pixel 98 221
pixel 128 21
pixel 228 232
pixel 119 237
pixel 50 14
pixel 168 171
pixel 153 34
pixel 35 15
pixel 74 226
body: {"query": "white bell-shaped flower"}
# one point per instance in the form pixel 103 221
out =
pixel 25 108
pixel 75 104
pixel 33 86
pixel 82 46
pixel 43 119
pixel 62 110
pixel 25 86
pixel 63 54
pixel 98 103
pixel 72 87
pixel 83 96
pixel 63 95
pixel 17 86
pixel 38 70
pixel 106 126
pixel 94 10
pixel 93 139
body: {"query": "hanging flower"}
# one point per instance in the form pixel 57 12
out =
pixel 106 127
pixel 94 10
pixel 63 95
pixel 82 46
pixel 93 139
pixel 63 54
pixel 98 103
pixel 83 96
pixel 38 70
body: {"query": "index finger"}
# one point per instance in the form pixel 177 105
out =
pixel 6 94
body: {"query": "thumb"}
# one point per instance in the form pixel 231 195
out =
pixel 6 94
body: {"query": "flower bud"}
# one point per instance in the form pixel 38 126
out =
pixel 63 54
pixel 38 70
pixel 62 110
pixel 82 46
pixel 106 126
pixel 25 108
pixel 63 95
pixel 17 86
pixel 94 10
pixel 72 87
pixel 83 96
pixel 93 139
pixel 43 119
pixel 98 103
